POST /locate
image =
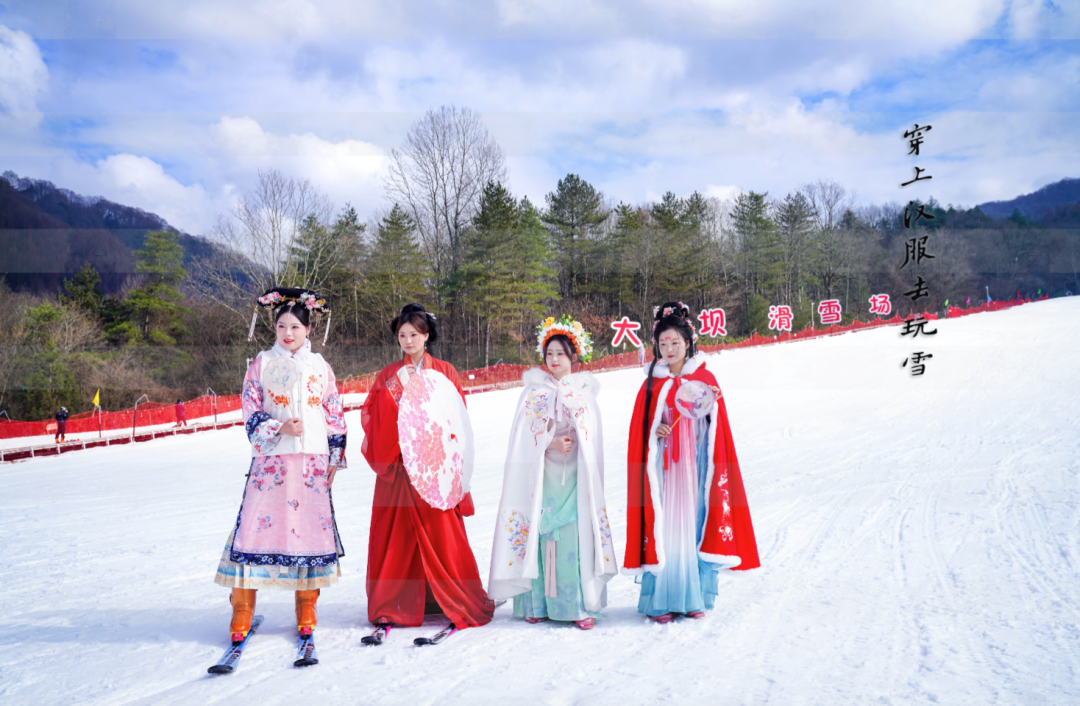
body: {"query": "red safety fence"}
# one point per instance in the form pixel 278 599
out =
pixel 477 380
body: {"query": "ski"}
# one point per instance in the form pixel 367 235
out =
pixel 228 661
pixel 443 634
pixel 305 650
pixel 376 638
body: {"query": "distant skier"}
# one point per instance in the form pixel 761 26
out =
pixel 285 536
pixel 181 414
pixel 61 424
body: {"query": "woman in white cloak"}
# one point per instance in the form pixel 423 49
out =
pixel 553 552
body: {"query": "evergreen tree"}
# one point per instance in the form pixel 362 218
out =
pixel 615 262
pixel 83 291
pixel 759 247
pixel 573 216
pixel 155 304
pixel 683 272
pixel 504 279
pixel 396 269
pixel 795 225
pixel 346 280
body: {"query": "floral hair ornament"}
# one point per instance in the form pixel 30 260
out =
pixel 278 297
pixel 567 327
pixel 681 310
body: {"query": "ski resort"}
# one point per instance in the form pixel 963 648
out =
pixel 917 539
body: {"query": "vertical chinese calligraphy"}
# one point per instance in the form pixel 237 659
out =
pixel 915 252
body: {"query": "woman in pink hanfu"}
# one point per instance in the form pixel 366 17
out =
pixel 285 535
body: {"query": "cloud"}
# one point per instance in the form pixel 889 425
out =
pixel 638 97
pixel 23 79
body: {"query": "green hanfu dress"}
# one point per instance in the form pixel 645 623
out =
pixel 552 551
pixel 558 525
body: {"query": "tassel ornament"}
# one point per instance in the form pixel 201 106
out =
pixel 254 320
pixel 326 333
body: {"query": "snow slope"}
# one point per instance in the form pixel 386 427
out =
pixel 918 539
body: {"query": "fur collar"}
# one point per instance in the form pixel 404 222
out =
pixel 662 371
pixel 279 351
pixel 540 377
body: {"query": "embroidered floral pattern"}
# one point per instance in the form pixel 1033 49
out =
pixel 267 473
pixel 537 411
pixel 432 452
pixel 334 414
pixel 315 473
pixel 605 527
pixel 262 432
pixel 395 388
pixel 280 375
pixel 517 527
pixel 282 400
pixel 282 559
pixel 252 397
pixel 327 523
pixel 314 390
pixel 264 523
pixel 294 504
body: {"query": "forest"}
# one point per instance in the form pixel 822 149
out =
pixel 167 314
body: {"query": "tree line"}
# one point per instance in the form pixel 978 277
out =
pixel 491 264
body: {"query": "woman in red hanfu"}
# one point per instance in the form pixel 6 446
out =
pixel 418 441
pixel 687 516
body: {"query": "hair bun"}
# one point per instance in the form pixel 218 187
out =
pixel 671 309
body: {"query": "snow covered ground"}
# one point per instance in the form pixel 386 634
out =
pixel 918 539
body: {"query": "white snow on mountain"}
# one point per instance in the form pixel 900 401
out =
pixel 918 537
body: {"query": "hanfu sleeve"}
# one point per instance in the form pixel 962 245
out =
pixel 262 430
pixel 334 414
pixel 378 417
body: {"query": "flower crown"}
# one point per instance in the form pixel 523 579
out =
pixel 682 311
pixel 282 296
pixel 571 329
pixel 310 300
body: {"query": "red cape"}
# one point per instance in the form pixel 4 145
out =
pixel 728 530
pixel 417 555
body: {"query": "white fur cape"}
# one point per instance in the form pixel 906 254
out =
pixel 515 551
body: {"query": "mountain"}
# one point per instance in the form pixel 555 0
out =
pixel 1042 205
pixel 48 233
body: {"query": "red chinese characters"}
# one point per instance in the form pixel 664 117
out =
pixel 879 304
pixel 829 311
pixel 713 322
pixel 624 329
pixel 780 317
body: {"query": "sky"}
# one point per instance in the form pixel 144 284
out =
pixel 174 106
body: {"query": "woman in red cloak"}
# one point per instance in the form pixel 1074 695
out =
pixel 687 515
pixel 419 558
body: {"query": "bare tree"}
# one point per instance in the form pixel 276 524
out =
pixel 829 200
pixel 273 229
pixel 439 174
pixel 278 235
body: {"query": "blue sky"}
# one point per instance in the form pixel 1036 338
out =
pixel 173 106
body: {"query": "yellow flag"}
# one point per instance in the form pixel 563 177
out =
pixel 97 398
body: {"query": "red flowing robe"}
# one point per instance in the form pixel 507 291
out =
pixel 417 554
pixel 728 529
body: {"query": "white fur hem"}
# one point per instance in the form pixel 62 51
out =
pixel 662 371
pixel 724 560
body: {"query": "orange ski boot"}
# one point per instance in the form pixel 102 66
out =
pixel 305 611
pixel 243 608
